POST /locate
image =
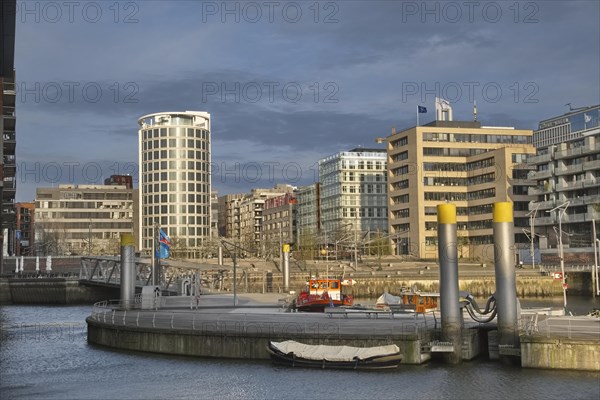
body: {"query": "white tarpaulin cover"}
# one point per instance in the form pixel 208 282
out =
pixel 333 353
pixel 388 299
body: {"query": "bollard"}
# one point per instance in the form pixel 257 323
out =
pixel 220 259
pixel 506 287
pixel 127 270
pixel 286 267
pixel 449 301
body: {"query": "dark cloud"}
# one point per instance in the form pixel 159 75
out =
pixel 361 62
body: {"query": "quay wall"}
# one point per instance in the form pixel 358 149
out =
pixel 69 291
pixel 373 286
pixel 52 291
pixel 238 345
pixel 560 353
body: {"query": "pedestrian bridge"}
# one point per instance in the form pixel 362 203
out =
pixel 106 271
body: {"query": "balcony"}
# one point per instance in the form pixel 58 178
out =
pixel 538 175
pixel 544 221
pixel 590 149
pixel 569 170
pixel 541 159
pixel 568 153
pixel 574 217
pixel 590 165
pixel 569 186
pixel 543 205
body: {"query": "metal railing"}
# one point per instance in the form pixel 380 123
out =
pixel 581 327
pixel 244 324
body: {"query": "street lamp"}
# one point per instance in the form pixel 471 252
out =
pixel 561 210
pixel 532 215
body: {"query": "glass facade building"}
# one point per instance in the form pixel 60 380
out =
pixel 175 183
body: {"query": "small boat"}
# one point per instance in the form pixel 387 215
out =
pixel 295 354
pixel 409 300
pixel 321 293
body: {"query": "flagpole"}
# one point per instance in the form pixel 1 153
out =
pixel 156 272
pixel 417 115
pixel 153 255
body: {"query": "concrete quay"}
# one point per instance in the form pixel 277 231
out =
pixel 217 329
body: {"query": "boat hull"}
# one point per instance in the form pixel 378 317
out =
pixel 389 361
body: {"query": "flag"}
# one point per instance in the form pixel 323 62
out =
pixel 164 245
pixel 422 110
pixel 587 118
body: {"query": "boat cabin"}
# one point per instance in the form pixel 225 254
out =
pixel 420 301
pixel 332 287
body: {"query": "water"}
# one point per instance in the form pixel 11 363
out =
pixel 44 354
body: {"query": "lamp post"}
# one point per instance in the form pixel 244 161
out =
pixel 597 280
pixel 532 215
pixel 561 211
pixel 90 238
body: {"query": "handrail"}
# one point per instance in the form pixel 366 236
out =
pixel 109 312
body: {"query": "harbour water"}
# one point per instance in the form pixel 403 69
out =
pixel 44 354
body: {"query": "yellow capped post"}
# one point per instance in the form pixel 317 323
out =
pixel 127 239
pixel 502 212
pixel 446 213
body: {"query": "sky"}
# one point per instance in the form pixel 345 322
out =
pixel 285 83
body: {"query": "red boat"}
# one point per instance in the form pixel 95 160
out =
pixel 321 293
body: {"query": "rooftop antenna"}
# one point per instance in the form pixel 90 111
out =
pixel 475 110
pixel 574 108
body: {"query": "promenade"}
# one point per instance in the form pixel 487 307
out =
pixel 215 328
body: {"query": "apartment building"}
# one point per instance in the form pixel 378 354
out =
pixel 567 176
pixel 459 162
pixel 8 163
pixel 25 229
pixel 242 216
pixel 279 223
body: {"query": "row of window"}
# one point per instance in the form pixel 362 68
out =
pixel 175 198
pixel 364 212
pixel 475 138
pixel 464 211
pixel 63 227
pixel 451 152
pixel 173 176
pixel 463 226
pixel 179 208
pixel 453 196
pixel 83 205
pixel 176 154
pixel 176 133
pixel 187 222
pixel 365 188
pixel 175 187
pixel 176 165
pixel 471 240
pixel 176 144
pixel 362 164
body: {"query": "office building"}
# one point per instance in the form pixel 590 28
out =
pixel 308 222
pixel 460 162
pixel 175 184
pixel 82 219
pixel 353 191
